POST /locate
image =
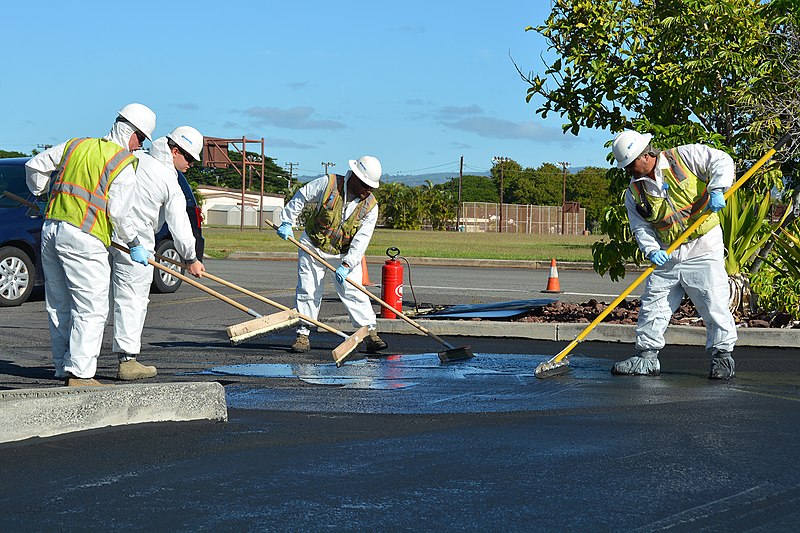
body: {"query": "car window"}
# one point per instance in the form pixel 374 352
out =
pixel 12 179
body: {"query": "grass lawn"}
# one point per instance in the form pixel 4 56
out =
pixel 220 241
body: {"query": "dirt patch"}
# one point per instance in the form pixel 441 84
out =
pixel 627 312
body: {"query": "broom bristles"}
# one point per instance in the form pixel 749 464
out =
pixel 264 325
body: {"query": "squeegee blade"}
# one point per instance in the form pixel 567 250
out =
pixel 456 354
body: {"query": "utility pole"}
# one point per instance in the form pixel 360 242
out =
pixel 326 165
pixel 291 174
pixel 498 160
pixel 458 206
pixel 564 166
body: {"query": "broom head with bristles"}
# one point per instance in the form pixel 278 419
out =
pixel 238 333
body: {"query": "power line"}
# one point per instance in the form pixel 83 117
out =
pixel 419 169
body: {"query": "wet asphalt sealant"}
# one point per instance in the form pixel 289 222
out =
pixel 488 382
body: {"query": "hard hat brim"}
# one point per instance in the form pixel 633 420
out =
pixel 646 140
pixel 354 167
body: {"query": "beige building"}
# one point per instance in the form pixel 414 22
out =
pixel 227 207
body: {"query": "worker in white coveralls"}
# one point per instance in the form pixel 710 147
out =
pixel 158 198
pixel 91 194
pixel 340 228
pixel 669 190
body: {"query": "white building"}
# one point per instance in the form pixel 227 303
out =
pixel 223 207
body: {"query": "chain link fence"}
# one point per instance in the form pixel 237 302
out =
pixel 534 219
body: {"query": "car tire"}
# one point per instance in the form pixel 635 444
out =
pixel 17 276
pixel 163 282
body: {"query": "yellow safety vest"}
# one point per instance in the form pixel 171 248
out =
pixel 327 230
pixel 689 197
pixel 80 190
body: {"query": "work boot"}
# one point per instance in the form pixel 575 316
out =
pixel 722 366
pixel 644 363
pixel 301 344
pixel 133 369
pixel 373 343
pixel 72 381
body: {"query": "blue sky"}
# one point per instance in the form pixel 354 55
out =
pixel 416 84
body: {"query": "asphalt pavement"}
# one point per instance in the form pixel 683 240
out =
pixel 401 441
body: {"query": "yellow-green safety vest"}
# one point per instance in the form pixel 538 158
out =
pixel 327 230
pixel 689 197
pixel 80 190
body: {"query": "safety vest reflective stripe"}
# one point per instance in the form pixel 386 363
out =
pixel 65 158
pixel 677 166
pixel 76 190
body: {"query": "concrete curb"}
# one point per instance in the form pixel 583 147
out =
pixel 678 335
pixel 27 413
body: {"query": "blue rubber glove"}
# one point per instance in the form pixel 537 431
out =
pixel 341 273
pixel 140 254
pixel 716 201
pixel 285 230
pixel 659 257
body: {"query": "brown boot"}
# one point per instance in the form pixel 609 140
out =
pixel 72 381
pixel 301 344
pixel 373 343
pixel 133 369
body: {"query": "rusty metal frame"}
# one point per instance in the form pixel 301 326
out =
pixel 215 155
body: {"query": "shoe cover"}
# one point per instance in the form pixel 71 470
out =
pixel 642 364
pixel 722 366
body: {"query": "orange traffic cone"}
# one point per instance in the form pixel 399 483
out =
pixel 365 273
pixel 553 285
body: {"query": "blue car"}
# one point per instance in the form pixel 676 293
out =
pixel 21 237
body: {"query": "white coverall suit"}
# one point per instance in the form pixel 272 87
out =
pixel 311 273
pixel 158 198
pixel 76 265
pixel 697 267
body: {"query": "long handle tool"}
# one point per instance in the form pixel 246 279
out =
pixel 451 354
pixel 560 363
pixel 247 330
pixel 202 287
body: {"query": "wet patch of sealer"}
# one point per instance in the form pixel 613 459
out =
pixel 399 371
pixel 485 383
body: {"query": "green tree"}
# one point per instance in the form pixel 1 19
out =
pixel 6 154
pixel 591 188
pixel 473 189
pixel 683 70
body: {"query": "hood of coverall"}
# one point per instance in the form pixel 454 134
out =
pixel 120 133
pixel 161 152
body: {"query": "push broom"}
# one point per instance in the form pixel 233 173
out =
pixel 560 363
pixel 266 324
pixel 239 333
pixel 269 323
pixel 451 354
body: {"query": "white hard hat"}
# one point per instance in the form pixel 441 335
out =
pixel 142 118
pixel 628 145
pixel 189 139
pixel 368 169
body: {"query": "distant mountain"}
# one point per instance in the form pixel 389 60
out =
pixel 413 180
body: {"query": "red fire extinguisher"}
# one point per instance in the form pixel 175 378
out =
pixel 392 283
